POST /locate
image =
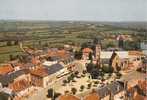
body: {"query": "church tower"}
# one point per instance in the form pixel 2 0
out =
pixel 97 45
pixel 98 53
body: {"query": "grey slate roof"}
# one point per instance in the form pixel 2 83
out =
pixel 54 68
pixel 6 79
pixel 114 87
pixel 54 58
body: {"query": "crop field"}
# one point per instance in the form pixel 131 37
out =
pixel 55 34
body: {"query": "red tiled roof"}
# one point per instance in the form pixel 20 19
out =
pixel 6 69
pixel 51 53
pixel 92 96
pixel 138 97
pixel 19 85
pixel 35 61
pixel 68 97
pixel 135 53
pixel 142 84
pixel 59 53
pixel 130 89
pixel 87 50
pixel 41 72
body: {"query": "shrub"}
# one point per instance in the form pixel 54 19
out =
pixel 107 69
pixel 9 43
pixel 96 82
pixel 102 79
pixel 56 95
pixel 78 55
pixel 74 90
pixel 118 75
pixel 83 75
pixel 72 76
pixel 118 68
pixel 50 93
pixel 64 82
pixel 76 73
pixel 89 86
pixel 84 71
pixel 82 87
pixel 69 79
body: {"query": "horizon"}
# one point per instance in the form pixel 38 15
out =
pixel 31 20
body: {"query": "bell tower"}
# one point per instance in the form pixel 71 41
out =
pixel 97 45
pixel 97 51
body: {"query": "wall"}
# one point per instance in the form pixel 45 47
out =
pixel 37 81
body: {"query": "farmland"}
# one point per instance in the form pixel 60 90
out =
pixel 56 34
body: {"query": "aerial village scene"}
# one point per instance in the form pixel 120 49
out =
pixel 68 58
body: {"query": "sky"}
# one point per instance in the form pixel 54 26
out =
pixel 87 10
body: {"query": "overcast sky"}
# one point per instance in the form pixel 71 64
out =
pixel 92 10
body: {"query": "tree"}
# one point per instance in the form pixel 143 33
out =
pixel 50 93
pixel 121 43
pixel 94 73
pixel 45 45
pixel 69 78
pixel 97 39
pixel 96 82
pixel 11 57
pixel 84 45
pixel 78 55
pixel 102 79
pixel 16 42
pixel 110 44
pixel 107 69
pixel 90 56
pixel 131 45
pixel 82 87
pixel 84 71
pixel 89 86
pixel 118 68
pixel 118 74
pixel 56 95
pixel 89 67
pixel 64 82
pixel 39 43
pixel 74 90
pixel 76 73
pixel 72 76
pixel 9 43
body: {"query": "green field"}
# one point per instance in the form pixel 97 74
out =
pixel 56 34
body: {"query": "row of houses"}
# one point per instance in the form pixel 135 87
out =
pixel 19 79
pixel 19 82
